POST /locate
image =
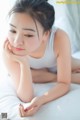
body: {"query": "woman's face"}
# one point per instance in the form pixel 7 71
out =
pixel 23 35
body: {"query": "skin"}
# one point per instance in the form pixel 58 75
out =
pixel 23 41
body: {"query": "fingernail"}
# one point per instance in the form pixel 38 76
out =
pixel 26 110
pixel 20 104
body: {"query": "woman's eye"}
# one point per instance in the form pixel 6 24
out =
pixel 12 31
pixel 28 35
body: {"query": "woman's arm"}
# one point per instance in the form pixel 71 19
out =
pixel 63 54
pixel 43 76
pixel 19 70
pixel 25 88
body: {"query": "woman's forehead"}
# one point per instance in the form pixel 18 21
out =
pixel 25 21
pixel 21 19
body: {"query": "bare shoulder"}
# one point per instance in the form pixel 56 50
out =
pixel 61 41
pixel 61 33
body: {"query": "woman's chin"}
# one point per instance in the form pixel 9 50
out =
pixel 20 54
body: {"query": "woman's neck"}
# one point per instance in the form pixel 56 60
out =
pixel 40 51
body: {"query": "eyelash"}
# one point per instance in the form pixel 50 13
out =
pixel 28 35
pixel 12 31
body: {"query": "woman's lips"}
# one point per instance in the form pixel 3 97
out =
pixel 19 49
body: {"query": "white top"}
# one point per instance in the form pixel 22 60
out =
pixel 48 60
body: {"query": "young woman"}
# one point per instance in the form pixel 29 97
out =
pixel 36 51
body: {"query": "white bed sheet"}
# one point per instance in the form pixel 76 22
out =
pixel 64 108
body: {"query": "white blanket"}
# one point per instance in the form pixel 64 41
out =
pixel 64 108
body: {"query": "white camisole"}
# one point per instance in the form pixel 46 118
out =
pixel 48 60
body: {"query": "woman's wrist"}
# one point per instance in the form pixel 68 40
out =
pixel 42 100
pixel 24 62
pixel 24 65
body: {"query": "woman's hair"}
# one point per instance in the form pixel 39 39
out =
pixel 39 10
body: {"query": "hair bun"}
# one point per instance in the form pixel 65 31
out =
pixel 45 0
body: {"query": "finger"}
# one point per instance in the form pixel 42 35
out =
pixel 22 110
pixel 25 109
pixel 8 48
pixel 31 111
pixel 29 107
pixel 33 104
pixel 5 42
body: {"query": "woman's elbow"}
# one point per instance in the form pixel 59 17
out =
pixel 24 98
pixel 67 87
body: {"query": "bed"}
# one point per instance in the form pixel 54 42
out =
pixel 64 108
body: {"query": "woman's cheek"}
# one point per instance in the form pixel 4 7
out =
pixel 32 47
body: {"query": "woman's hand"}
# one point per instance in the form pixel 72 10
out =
pixel 11 55
pixel 35 105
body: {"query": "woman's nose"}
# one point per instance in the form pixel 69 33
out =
pixel 18 41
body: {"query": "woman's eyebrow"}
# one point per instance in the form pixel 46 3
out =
pixel 29 29
pixel 12 25
pixel 23 28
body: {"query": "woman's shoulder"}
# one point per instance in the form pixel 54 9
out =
pixel 61 38
pixel 58 31
pixel 60 35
